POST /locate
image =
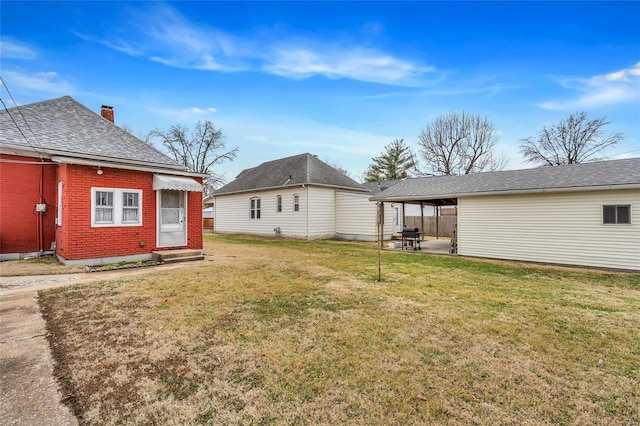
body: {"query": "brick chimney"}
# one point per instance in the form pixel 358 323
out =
pixel 107 113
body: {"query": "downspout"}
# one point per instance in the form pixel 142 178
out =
pixel 306 196
pixel 41 214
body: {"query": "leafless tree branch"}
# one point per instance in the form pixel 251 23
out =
pixel 459 143
pixel 201 151
pixel 575 139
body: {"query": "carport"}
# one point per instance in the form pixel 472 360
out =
pixel 559 214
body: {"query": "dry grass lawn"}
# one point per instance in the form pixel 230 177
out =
pixel 270 331
pixel 47 265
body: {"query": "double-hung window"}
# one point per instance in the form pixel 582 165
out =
pixel 279 203
pixel 296 203
pixel 116 207
pixel 255 208
pixel 103 207
pixel 616 214
pixel 130 207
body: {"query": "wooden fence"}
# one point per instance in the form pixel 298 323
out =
pixel 445 224
pixel 208 225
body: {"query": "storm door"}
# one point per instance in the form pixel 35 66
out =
pixel 172 224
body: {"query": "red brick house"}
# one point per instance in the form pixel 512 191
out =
pixel 74 184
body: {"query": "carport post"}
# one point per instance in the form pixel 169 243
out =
pixel 380 223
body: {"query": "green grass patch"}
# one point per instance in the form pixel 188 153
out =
pixel 278 331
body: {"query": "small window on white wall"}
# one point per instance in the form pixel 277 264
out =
pixel 614 214
pixel 255 208
pixel 296 203
pixel 116 207
pixel 279 203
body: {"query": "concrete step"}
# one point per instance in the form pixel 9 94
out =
pixel 183 259
pixel 168 256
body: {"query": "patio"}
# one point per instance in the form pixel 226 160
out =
pixel 430 246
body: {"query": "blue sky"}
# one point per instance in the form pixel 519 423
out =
pixel 336 79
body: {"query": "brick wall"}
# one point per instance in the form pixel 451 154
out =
pixel 19 193
pixel 76 238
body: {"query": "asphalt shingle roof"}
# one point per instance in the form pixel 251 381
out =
pixel 377 187
pixel 291 171
pixel 67 126
pixel 597 175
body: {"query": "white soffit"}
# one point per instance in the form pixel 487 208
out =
pixel 176 183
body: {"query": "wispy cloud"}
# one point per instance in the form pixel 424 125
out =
pixel 184 115
pixel 169 38
pixel 357 64
pixel 11 49
pixel 47 82
pixel 616 87
pixel 294 135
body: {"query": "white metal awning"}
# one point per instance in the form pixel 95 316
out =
pixel 176 183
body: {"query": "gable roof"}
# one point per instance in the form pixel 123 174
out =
pixel 63 126
pixel 302 169
pixel 573 177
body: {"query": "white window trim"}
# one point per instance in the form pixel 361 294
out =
pixel 296 204
pixel 278 203
pixel 616 223
pixel 257 211
pixel 117 207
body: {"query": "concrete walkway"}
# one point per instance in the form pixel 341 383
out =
pixel 29 394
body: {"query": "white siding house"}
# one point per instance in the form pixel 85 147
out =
pixel 562 228
pixel 298 197
pixel 356 217
pixel 580 214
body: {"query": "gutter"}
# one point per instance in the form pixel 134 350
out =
pixel 52 153
pixel 271 188
pixel 508 192
pixel 103 163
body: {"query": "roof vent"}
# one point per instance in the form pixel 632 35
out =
pixel 107 113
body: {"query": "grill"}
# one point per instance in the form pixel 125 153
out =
pixel 413 236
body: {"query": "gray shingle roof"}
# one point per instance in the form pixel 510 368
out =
pixel 65 125
pixel 291 171
pixel 377 187
pixel 598 175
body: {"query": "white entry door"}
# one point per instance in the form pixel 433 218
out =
pixel 172 214
pixel 398 220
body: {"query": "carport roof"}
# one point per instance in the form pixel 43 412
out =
pixel 614 174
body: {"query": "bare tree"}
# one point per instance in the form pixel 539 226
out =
pixel 200 151
pixel 396 160
pixel 460 143
pixel 573 140
pixel 336 165
pixel 144 137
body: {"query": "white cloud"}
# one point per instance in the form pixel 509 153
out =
pixel 269 137
pixel 185 115
pixel 169 38
pixel 621 86
pixel 15 50
pixel 356 64
pixel 48 82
